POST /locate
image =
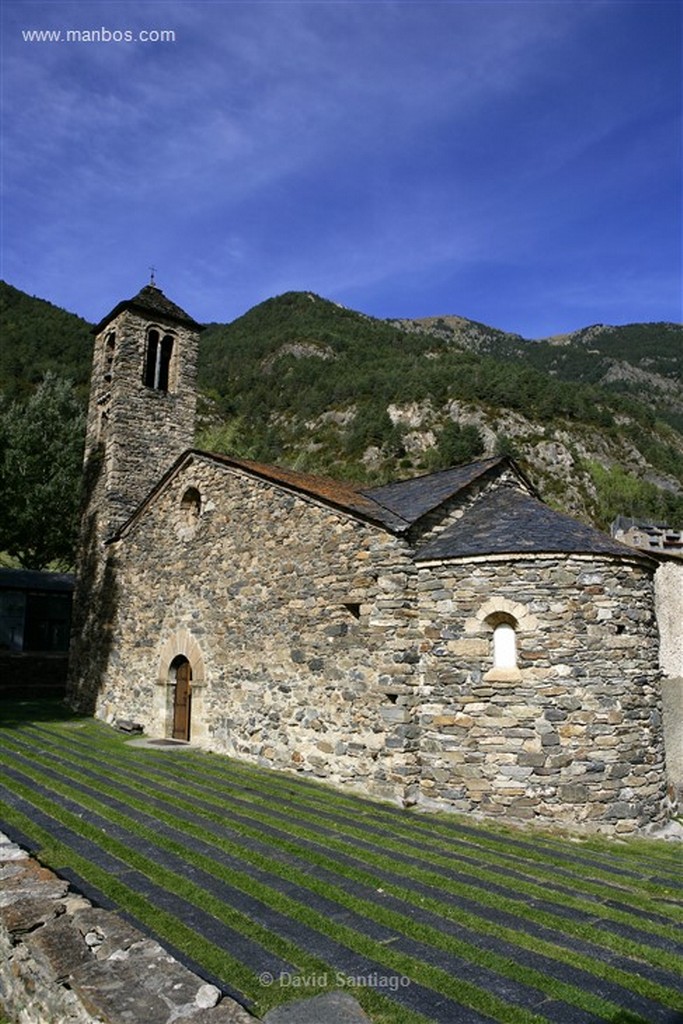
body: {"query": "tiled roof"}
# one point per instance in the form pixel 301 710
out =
pixel 507 521
pixel 152 301
pixel 342 495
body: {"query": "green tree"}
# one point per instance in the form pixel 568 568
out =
pixel 456 445
pixel 41 458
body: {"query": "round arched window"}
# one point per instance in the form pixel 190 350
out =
pixel 504 646
pixel 190 506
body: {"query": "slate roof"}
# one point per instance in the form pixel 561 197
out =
pixel 412 499
pixel 341 495
pixel 151 300
pixel 507 521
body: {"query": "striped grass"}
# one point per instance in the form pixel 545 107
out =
pixel 287 843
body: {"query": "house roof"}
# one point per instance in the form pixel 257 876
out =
pixel 151 300
pixel 507 521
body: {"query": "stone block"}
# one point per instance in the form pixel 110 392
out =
pixel 58 948
pixel 573 793
pixel 32 881
pixel 26 914
pixel 146 984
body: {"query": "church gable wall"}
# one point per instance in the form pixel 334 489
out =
pixel 296 618
pixel 568 728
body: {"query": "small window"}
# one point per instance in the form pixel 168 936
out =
pixel 109 348
pixel 504 646
pixel 190 506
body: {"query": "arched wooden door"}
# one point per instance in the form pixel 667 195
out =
pixel 182 699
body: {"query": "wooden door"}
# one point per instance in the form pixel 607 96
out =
pixel 182 701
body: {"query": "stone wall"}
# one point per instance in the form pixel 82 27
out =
pixel 572 734
pixel 63 961
pixel 318 645
pixel 296 619
pixel 137 431
pixel 669 594
pixel 669 598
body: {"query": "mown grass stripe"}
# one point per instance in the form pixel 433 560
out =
pixel 579 908
pixel 403 822
pixel 524 971
pixel 637 951
pixel 509 989
pixel 441 1009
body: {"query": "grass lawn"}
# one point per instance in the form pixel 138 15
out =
pixel 275 887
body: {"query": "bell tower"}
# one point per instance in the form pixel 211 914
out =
pixel 142 402
pixel 140 419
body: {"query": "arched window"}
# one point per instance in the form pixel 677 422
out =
pixel 158 361
pixel 504 646
pixel 190 506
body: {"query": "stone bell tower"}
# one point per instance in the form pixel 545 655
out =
pixel 140 419
pixel 142 402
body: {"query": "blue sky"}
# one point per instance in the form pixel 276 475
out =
pixel 516 162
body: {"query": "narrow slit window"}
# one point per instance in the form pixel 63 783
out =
pixel 109 355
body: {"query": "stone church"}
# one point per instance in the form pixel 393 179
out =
pixel 446 641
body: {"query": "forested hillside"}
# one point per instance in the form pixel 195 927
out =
pixel 38 338
pixel 595 417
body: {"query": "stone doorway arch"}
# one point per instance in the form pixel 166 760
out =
pixel 180 688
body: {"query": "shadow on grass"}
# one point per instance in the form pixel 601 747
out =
pixel 15 712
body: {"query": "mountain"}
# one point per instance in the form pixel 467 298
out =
pixel 595 418
pixel 633 359
pixel 38 337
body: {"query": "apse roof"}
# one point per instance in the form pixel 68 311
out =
pixel 507 521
